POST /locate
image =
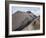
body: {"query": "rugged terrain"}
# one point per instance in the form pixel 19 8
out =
pixel 25 21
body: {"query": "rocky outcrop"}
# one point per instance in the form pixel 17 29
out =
pixel 21 20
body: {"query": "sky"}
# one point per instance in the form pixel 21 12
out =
pixel 35 10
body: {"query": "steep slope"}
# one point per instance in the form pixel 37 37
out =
pixel 20 20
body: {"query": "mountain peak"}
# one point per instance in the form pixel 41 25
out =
pixel 29 12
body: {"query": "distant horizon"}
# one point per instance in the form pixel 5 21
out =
pixel 25 12
pixel 34 10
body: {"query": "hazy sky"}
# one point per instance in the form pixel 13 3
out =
pixel 34 10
